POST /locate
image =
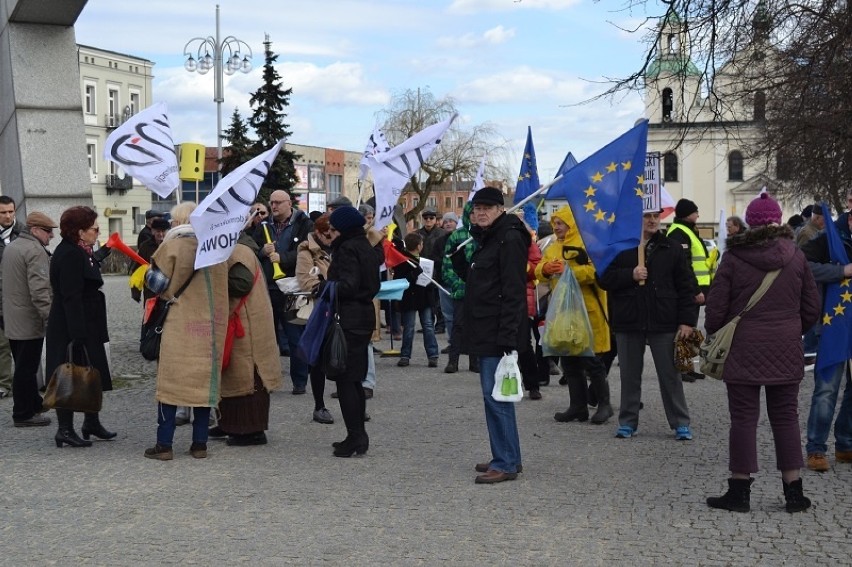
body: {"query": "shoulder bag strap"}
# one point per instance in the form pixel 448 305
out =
pixel 764 287
pixel 184 286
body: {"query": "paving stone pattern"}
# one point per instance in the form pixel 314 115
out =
pixel 584 497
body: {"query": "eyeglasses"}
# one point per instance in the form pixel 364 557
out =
pixel 261 213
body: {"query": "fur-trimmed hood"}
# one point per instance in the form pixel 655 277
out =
pixel 767 247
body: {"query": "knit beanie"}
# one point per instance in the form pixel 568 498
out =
pixel 684 208
pixel 762 211
pixel 488 196
pixel 346 218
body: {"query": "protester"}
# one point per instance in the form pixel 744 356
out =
pixel 355 269
pixel 9 231
pixel 288 228
pixel 259 213
pixel 814 226
pixel 416 302
pixel 534 368
pixel 495 311
pixel 26 307
pixel 78 315
pixel 432 234
pixel 455 284
pixel 568 250
pixel 650 305
pixel 253 368
pixel 826 391
pixel 311 269
pixel 189 370
pixel 735 225
pixel 449 223
pixel 146 234
pixel 766 351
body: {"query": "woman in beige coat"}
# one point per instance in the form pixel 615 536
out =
pixel 253 368
pixel 190 365
pixel 312 260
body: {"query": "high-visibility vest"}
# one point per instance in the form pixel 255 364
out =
pixel 699 257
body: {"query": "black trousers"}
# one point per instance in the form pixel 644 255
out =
pixel 25 396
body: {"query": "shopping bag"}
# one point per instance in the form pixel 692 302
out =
pixel 507 385
pixel 311 341
pixel 567 331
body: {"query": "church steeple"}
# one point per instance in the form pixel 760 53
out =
pixel 762 22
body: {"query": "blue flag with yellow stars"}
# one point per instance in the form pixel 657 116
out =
pixel 567 163
pixel 605 195
pixel 834 343
pixel 528 182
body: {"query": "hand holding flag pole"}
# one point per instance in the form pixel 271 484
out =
pixel 514 208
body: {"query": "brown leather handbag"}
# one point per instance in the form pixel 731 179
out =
pixel 73 387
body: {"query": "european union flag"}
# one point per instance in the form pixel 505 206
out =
pixel 567 163
pixel 528 182
pixel 834 343
pixel 605 195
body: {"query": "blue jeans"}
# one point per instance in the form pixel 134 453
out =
pixel 166 424
pixel 823 403
pixel 500 420
pixel 429 340
pixel 298 367
pixel 370 378
pixel 447 310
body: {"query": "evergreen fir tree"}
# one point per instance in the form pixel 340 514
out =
pixel 238 144
pixel 268 104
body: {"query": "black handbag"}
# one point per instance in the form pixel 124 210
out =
pixel 334 347
pixel 152 327
pixel 73 387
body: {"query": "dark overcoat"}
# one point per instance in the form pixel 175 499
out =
pixel 78 311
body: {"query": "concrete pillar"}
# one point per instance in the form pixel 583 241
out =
pixel 43 164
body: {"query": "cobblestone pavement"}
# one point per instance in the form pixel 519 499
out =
pixel 584 497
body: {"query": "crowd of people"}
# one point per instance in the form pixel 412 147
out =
pixel 230 324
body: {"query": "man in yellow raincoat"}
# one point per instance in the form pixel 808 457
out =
pixel 568 250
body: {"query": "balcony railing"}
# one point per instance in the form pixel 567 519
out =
pixel 118 183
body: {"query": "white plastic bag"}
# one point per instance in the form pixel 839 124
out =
pixel 508 386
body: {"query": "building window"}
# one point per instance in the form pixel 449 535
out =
pixel 112 103
pixel 135 217
pixel 335 186
pixel 735 166
pixel 668 104
pixel 414 202
pixel 448 203
pixel 91 156
pixel 134 103
pixel 90 99
pixel 433 202
pixel 783 163
pixel 460 202
pixel 760 106
pixel 670 167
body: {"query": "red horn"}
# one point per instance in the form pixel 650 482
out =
pixel 114 241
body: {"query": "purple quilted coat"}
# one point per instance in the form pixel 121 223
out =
pixel 767 346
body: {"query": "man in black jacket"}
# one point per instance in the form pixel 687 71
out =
pixel 9 231
pixel 649 304
pixel 287 228
pixel 495 309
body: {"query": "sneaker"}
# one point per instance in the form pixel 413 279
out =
pixel 433 363
pixel 843 456
pixel 817 462
pixel 683 433
pixel 626 432
pixel 35 421
pixel 323 416
pixel 403 362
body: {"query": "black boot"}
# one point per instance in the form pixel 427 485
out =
pixel 92 426
pixel 577 409
pixel 452 365
pixel 796 501
pixel 738 496
pixel 355 443
pixel 69 437
pixel 601 388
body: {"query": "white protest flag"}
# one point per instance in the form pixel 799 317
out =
pixel 220 217
pixel 723 231
pixel 393 168
pixel 376 144
pixel 479 181
pixel 143 147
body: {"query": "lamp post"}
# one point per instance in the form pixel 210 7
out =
pixel 224 60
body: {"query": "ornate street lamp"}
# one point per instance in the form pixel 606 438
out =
pixel 224 57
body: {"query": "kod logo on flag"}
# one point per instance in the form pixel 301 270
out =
pixel 220 218
pixel 144 148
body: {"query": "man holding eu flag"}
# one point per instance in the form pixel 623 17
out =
pixel 828 258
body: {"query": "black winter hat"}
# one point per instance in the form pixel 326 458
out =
pixel 488 196
pixel 346 218
pixel 684 208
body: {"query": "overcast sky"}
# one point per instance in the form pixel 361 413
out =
pixel 513 64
